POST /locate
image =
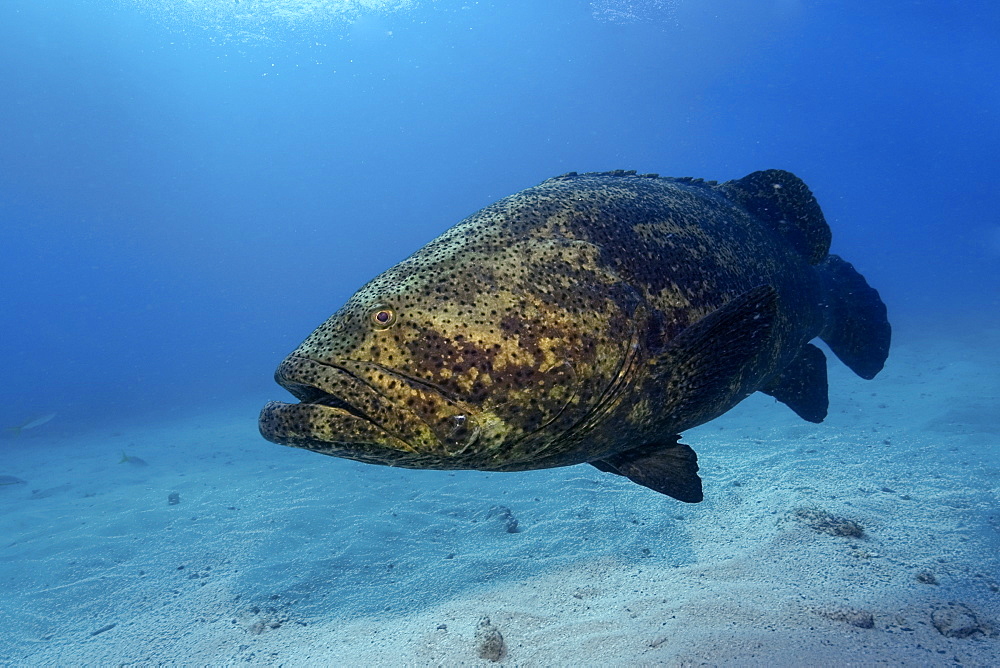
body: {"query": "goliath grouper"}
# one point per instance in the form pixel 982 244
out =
pixel 590 319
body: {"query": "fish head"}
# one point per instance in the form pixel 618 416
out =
pixel 476 352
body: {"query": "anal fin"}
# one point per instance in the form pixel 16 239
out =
pixel 802 385
pixel 670 469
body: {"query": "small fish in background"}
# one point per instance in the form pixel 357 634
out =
pixel 31 424
pixel 10 480
pixel 134 461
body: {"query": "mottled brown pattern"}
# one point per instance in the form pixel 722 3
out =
pixel 568 323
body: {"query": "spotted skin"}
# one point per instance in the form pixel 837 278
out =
pixel 591 318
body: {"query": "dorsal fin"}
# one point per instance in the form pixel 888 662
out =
pixel 783 201
pixel 614 172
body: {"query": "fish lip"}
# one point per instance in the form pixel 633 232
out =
pixel 314 396
pixel 365 441
pixel 298 375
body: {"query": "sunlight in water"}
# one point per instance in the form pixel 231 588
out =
pixel 262 20
pixel 634 11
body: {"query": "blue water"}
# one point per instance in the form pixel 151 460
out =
pixel 188 189
pixel 179 209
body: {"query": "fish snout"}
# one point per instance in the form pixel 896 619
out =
pixel 361 410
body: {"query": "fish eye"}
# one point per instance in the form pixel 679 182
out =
pixel 383 317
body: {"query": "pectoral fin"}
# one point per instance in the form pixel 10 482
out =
pixel 802 385
pixel 670 469
pixel 717 358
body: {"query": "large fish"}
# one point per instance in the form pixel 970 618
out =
pixel 592 318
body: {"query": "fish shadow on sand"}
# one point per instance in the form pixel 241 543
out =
pixel 967 419
pixel 50 491
pixel 442 547
pixel 10 481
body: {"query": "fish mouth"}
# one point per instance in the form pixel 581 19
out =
pixel 363 411
pixel 316 397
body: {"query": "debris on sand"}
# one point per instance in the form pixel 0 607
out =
pixel 828 523
pixel 505 517
pixel 862 619
pixel 957 620
pixel 106 627
pixel 489 641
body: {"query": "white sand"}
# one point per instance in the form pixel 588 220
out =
pixel 281 556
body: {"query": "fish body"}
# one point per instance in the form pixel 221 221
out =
pixel 589 319
pixel 133 460
pixel 31 423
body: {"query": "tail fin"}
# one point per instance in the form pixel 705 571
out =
pixel 856 328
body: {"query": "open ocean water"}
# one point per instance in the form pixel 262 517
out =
pixel 189 187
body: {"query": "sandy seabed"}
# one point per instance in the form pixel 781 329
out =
pixel 870 539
